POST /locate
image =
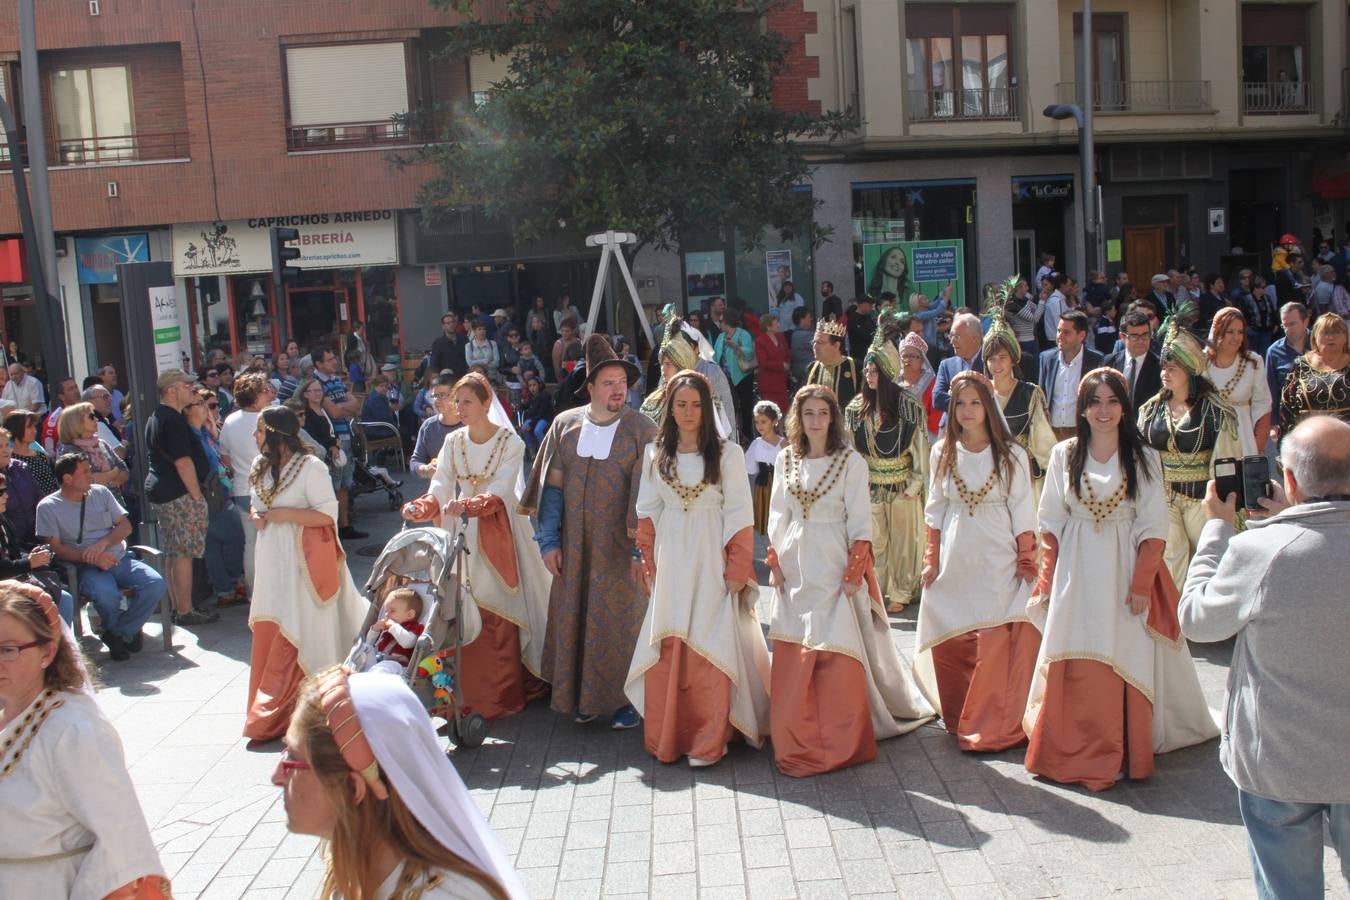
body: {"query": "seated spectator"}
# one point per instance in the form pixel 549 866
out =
pixel 536 412
pixel 32 566
pixel 527 363
pixel 431 435
pixel 21 489
pixel 422 406
pixel 285 376
pixel 1279 587
pixel 86 525
pixel 78 433
pixel 23 427
pixel 24 390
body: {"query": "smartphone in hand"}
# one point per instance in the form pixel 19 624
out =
pixel 1228 479
pixel 1255 481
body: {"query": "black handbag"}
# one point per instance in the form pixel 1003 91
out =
pixel 214 492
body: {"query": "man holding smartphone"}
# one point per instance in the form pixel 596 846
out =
pixel 1280 588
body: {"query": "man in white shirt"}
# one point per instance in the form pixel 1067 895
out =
pixel 252 394
pixel 1063 367
pixel 25 390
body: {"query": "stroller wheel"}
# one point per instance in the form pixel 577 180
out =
pixel 472 731
pixel 395 499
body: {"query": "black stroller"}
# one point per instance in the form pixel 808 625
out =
pixel 364 481
pixel 429 561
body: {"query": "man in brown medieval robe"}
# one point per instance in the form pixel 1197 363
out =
pixel 583 489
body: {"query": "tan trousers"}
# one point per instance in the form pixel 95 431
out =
pixel 897 546
pixel 1185 518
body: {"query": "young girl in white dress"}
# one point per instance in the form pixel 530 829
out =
pixel 1239 375
pixel 760 457
pixel 701 667
pixel 838 685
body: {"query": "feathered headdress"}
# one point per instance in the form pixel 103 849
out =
pixel 674 345
pixel 1179 344
pixel 1000 335
pixel 883 352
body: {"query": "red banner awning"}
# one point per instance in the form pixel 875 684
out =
pixel 13 262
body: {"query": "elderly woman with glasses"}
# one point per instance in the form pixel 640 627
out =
pixel 78 433
pixel 72 825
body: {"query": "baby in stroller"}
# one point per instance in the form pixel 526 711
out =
pixel 389 642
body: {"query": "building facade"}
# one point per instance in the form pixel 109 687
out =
pixel 183 132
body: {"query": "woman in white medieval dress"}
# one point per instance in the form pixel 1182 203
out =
pixel 71 824
pixel 976 645
pixel 1115 682
pixel 1239 375
pixel 837 684
pixel 701 667
pixel 477 477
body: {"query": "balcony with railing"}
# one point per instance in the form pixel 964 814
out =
pixel 1141 97
pixel 351 135
pixel 965 105
pixel 112 150
pixel 1276 98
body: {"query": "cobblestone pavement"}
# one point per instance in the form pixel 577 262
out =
pixel 585 812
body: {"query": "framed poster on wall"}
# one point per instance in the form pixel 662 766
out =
pixel 907 267
pixel 705 277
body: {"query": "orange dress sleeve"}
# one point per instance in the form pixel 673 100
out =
pixel 739 555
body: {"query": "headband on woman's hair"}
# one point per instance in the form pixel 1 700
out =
pixel 480 379
pixel 40 597
pixel 340 714
pixel 275 430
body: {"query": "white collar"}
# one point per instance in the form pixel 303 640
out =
pixel 596 440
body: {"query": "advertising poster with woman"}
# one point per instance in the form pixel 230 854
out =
pixel 705 277
pixel 908 267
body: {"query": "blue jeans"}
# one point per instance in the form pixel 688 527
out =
pixel 66 606
pixel 224 550
pixel 1285 842
pixel 105 590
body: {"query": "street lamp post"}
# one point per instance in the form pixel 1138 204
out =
pixel 1081 113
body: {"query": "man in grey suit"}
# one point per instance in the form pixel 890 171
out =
pixel 1280 588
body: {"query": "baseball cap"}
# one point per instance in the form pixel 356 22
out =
pixel 499 312
pixel 388 367
pixel 1159 277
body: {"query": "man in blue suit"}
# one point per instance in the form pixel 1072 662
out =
pixel 1063 367
pixel 966 336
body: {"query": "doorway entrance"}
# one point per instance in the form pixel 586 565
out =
pixel 318 316
pixel 1143 253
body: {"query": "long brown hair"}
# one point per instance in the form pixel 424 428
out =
pixel 1000 439
pixel 884 401
pixel 1133 460
pixel 281 430
pixel 65 673
pixel 709 443
pixel 837 437
pixel 1222 319
pixel 361 827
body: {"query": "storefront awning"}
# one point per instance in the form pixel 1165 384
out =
pixel 13 262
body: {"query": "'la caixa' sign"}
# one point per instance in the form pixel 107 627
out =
pixel 1045 187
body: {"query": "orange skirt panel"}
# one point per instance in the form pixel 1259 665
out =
pixel 151 887
pixel 1092 726
pixel 1005 659
pixel 274 678
pixel 688 705
pixel 954 667
pixel 493 682
pixel 819 720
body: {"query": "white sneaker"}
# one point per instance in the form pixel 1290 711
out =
pixel 696 763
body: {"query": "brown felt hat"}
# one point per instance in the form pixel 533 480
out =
pixel 600 354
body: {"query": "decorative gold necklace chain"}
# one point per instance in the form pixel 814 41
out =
pixel 477 479
pixel 1232 384
pixel 27 730
pixel 870 432
pixel 971 498
pixel 809 498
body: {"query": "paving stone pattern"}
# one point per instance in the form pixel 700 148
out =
pixel 585 812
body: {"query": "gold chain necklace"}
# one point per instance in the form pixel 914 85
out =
pixel 809 498
pixel 870 432
pixel 1227 390
pixel 288 477
pixel 27 730
pixel 477 479
pixel 686 493
pixel 971 498
pixel 409 889
pixel 1100 509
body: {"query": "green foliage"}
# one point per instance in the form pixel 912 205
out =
pixel 651 116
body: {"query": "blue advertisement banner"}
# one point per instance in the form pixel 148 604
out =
pixel 97 258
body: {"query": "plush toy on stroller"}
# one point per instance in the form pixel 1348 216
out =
pixel 420 616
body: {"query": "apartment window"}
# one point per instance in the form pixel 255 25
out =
pixel 346 95
pixel 93 113
pixel 1276 68
pixel 958 61
pixel 848 26
pixel 1108 58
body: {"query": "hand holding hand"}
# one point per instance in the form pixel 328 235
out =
pixel 39 558
pixel 455 508
pixel 258 519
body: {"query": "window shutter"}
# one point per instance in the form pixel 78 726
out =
pixel 346 83
pixel 928 21
pixel 1272 26
pixel 980 18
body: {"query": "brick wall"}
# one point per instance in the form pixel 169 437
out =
pixel 794 23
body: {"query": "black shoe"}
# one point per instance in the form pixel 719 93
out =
pixel 196 617
pixel 136 643
pixel 351 534
pixel 117 648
